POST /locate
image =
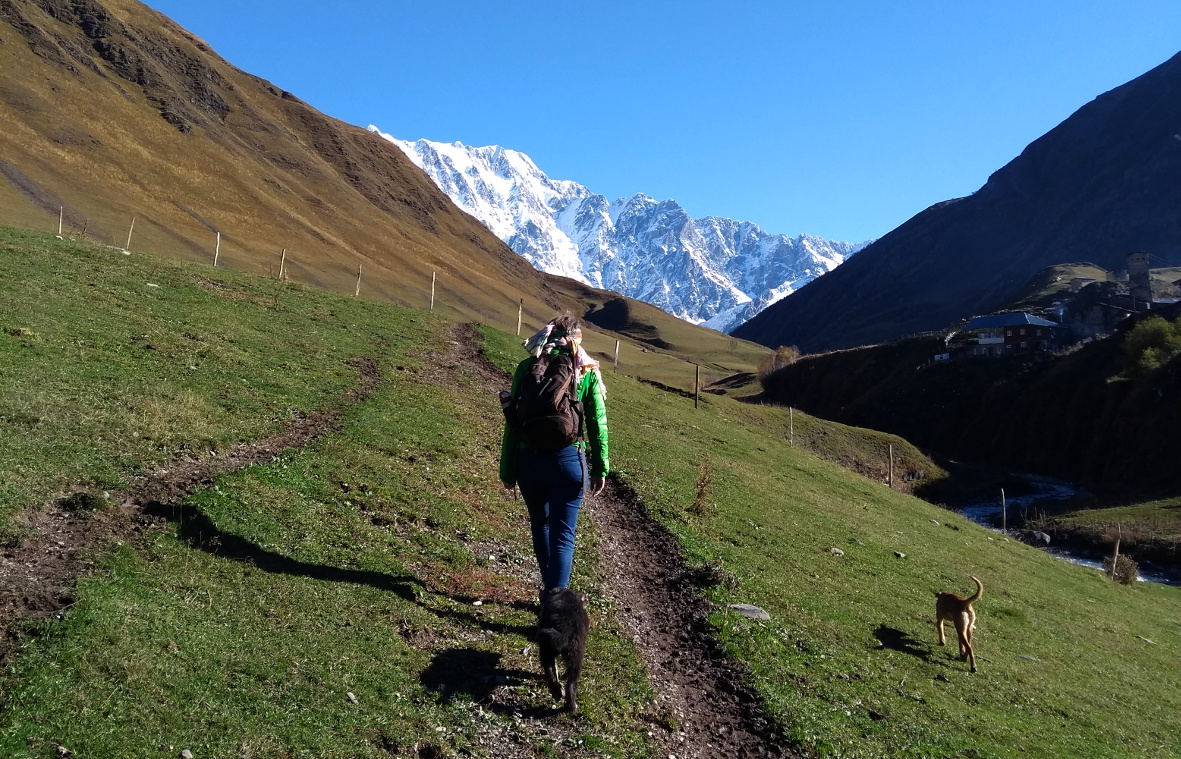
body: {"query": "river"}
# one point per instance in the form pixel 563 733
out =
pixel 1044 491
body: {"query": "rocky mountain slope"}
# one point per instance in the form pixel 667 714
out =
pixel 715 271
pixel 1096 187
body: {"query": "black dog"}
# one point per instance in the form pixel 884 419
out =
pixel 561 632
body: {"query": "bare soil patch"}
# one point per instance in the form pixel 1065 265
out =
pixel 708 710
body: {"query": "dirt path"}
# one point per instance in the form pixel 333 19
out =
pixel 38 577
pixel 715 714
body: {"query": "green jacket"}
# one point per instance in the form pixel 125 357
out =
pixel 594 409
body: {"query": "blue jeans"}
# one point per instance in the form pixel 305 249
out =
pixel 552 485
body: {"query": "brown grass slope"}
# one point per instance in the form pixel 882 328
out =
pixel 113 111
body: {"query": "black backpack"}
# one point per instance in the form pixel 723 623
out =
pixel 547 413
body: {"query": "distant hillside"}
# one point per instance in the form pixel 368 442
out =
pixel 1096 187
pixel 112 112
pixel 1086 416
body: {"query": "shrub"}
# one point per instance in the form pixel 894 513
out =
pixel 1151 344
pixel 784 355
pixel 1126 570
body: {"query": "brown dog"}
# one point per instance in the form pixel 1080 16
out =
pixel 959 610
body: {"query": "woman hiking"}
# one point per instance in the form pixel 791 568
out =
pixel 555 441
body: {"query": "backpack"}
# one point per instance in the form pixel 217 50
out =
pixel 548 414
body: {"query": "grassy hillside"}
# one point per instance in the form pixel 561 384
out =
pixel 1106 413
pixel 241 619
pixel 322 602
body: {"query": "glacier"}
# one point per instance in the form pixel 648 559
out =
pixel 711 271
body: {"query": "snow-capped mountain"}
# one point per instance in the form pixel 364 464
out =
pixel 714 271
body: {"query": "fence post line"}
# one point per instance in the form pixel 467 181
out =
pixel 282 263
pixel 697 385
pixel 60 215
pixel 616 363
pixel 128 245
pixel 432 309
pixel 520 313
pixel 217 249
pixel 890 478
pixel 357 292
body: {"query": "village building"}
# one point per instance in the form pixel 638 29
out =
pixel 1011 334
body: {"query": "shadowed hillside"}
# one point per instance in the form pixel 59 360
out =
pixel 1090 415
pixel 1096 187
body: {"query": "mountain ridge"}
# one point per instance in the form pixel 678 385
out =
pixel 1096 187
pixel 713 271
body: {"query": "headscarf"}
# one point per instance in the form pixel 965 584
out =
pixel 550 338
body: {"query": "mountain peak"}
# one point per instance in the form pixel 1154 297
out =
pixel 714 270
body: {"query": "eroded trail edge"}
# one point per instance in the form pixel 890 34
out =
pixel 713 713
pixel 38 576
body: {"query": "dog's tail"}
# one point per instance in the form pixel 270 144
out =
pixel 979 591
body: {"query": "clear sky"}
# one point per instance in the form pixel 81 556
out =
pixel 837 118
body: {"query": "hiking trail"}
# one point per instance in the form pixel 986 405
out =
pixel 708 709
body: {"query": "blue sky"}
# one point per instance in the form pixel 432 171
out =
pixel 840 119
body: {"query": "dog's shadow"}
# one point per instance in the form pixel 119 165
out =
pixel 457 672
pixel 898 640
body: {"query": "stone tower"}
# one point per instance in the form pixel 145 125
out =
pixel 1139 280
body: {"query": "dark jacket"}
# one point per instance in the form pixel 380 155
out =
pixel 594 407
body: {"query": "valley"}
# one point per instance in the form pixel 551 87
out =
pixel 249 436
pixel 367 592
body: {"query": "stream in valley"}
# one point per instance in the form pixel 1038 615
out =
pixel 1048 494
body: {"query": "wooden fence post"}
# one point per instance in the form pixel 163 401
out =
pixel 60 215
pixel 616 362
pixel 791 426
pixel 128 245
pixel 432 309
pixel 891 475
pixel 1004 514
pixel 217 249
pixel 697 386
pixel 282 263
pixel 520 313
pixel 1115 556
pixel 357 291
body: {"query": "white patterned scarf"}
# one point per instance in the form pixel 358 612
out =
pixel 546 340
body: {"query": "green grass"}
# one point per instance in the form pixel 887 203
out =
pixel 1150 531
pixel 111 364
pixel 240 626
pixel 850 664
